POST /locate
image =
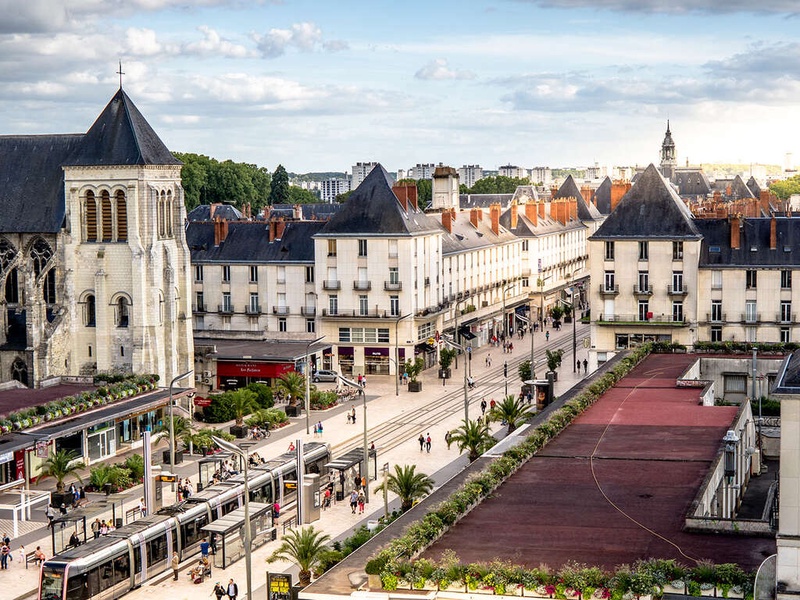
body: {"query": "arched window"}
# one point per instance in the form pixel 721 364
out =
pixel 161 215
pixel 12 288
pixel 90 211
pixel 49 287
pixel 40 254
pixel 122 312
pixel 122 217
pixel 90 311
pixel 169 207
pixel 108 223
pixel 19 371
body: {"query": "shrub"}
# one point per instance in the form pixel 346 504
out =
pixel 135 464
pixel 219 411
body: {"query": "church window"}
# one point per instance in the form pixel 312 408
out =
pixel 161 215
pixel 122 312
pixel 49 287
pixel 91 217
pixel 122 217
pixel 12 288
pixel 19 371
pixel 122 350
pixel 40 254
pixel 90 351
pixel 169 213
pixel 106 221
pixel 90 312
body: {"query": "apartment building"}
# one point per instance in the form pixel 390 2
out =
pixel 359 173
pixel 469 174
pixel 422 171
pixel 513 171
pixel 330 188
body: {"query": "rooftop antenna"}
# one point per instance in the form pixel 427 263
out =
pixel 120 73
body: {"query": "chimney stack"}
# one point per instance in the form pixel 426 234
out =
pixel 494 210
pixel 573 209
pixel 735 233
pixel 541 209
pixel 588 194
pixel 618 190
pixel 447 221
pixel 773 233
pixel 513 215
pixel 473 216
pixel 763 198
pixel 406 194
pixel 531 213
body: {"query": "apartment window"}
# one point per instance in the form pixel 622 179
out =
pixel 644 250
pixel 751 279
pixel 786 280
pixel 644 281
pixel 363 305
pixel 253 274
pixel 226 273
pixel 201 305
pixel 362 247
pixel 227 305
pixel 677 250
pixel 392 248
pixel 677 281
pixel 786 312
pixel 281 274
pixel 331 247
pixel 394 275
pixel 750 334
pixel 735 384
pixel 716 310
pixel 254 304
pixel 198 272
pixel 677 312
pixel 333 304
pixel 716 280
pixel 750 314
pixel 309 274
pixel 644 310
pixel 609 281
pixel 609 254
pixel 282 325
pixel 525 282
pixel 311 326
pixel 786 335
pixel 716 333
pixel 394 305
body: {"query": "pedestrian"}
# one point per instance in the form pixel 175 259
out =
pixel 22 555
pixel 353 501
pixel 103 528
pixel 547 335
pixel 204 548
pixel 39 555
pixel 578 365
pixel 96 528
pixel 492 404
pixel 291 447
pixel 361 501
pixel 174 563
pixel 428 443
pixel 319 427
pixel 421 440
pixel 326 502
pixel 483 406
pixel 585 365
pixel 349 418
pixel 74 540
pixel 5 552
pixel 218 591
pixel 51 514
pixel 447 438
pixel 213 543
pixel 353 415
pixel 142 507
pixel 364 381
pixel 316 430
pixel 233 590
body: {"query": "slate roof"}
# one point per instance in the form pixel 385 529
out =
pixel 754 250
pixel 753 186
pixel 691 182
pixel 32 182
pixel 602 197
pixel 526 229
pixel 650 209
pixel 121 136
pixel 226 212
pixel 467 201
pixel 788 380
pixel 465 236
pixel 248 242
pixel 320 211
pixel 738 188
pixel 569 189
pixel 373 209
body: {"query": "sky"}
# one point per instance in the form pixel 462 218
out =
pixel 318 85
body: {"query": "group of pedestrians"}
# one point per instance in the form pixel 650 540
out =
pixel 231 590
pixel 103 527
pixel 585 366
pixel 424 442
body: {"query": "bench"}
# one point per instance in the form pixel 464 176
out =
pixel 30 557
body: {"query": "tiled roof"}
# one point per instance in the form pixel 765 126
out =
pixel 248 242
pixel 569 189
pixel 754 243
pixel 602 197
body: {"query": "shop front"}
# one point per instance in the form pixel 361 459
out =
pixel 101 441
pixel 376 361
pixel 346 360
pixel 8 468
pixel 235 374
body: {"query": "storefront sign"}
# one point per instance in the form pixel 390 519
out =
pixel 376 351
pixel 252 369
pixel 279 586
pixel 42 450
pixel 6 457
pixel 19 458
pixel 199 401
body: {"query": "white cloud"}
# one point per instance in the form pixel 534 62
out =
pixel 213 44
pixel 438 70
pixel 301 36
pixel 142 42
pixel 678 6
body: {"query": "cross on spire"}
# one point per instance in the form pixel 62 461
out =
pixel 120 73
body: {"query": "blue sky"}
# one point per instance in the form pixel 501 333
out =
pixel 320 85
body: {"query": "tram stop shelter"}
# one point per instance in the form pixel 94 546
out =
pixel 229 532
pixel 64 525
pixel 206 467
pixel 347 461
pixel 19 502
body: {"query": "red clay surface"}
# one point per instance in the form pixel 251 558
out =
pixel 652 444
pixel 17 399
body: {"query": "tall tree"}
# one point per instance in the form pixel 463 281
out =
pixel 293 385
pixel 408 485
pixel 279 187
pixel 298 195
pixel 59 466
pixel 474 437
pixel 512 412
pixel 787 187
pixel 305 548
pixel 497 185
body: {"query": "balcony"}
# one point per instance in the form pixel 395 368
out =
pixel 392 286
pixel 609 290
pixel 253 309
pixel 722 318
pixel 198 308
pixel 362 285
pixel 642 290
pixel 656 320
pixel 357 314
pixel 751 317
pixel 225 309
pixel 308 311
pixel 786 318
pixel 331 284
pixel 674 290
pixel 280 310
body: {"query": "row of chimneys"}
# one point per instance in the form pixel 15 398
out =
pixel 737 222
pixel 561 210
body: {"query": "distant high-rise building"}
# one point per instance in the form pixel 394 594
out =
pixel 513 171
pixel 401 174
pixel 330 188
pixel 360 172
pixel 422 171
pixel 469 174
pixel 542 175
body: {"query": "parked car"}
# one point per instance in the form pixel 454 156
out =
pixel 323 375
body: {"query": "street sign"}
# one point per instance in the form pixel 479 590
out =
pixel 41 450
pixel 279 586
pixel 199 401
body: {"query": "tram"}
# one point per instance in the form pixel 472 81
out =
pixel 114 564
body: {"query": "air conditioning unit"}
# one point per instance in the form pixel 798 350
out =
pixel 206 374
pixel 207 380
pixel 198 377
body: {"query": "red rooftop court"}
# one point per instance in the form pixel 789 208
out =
pixel 615 486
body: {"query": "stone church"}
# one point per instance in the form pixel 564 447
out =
pixel 94 266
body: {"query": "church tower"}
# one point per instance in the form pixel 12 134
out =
pixel 668 160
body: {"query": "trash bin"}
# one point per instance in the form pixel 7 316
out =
pixel 339 496
pixel 199 487
pixel 107 489
pixel 118 523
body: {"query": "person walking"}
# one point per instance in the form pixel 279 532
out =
pixel 319 427
pixel 204 548
pixel 233 590
pixel 421 440
pixel 353 415
pixel 174 564
pixel 218 591
pixel 353 501
pixel 547 335
pixel 585 365
pixel 5 552
pixel 362 499
pixel 51 514
pixel 448 438
pixel 578 365
pixel 96 528
pixel 483 406
pixel 428 443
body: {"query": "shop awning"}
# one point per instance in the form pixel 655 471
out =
pixel 465 333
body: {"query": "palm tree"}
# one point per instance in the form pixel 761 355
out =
pixel 408 485
pixel 243 402
pixel 293 385
pixel 305 548
pixel 60 466
pixel 181 427
pixel 512 411
pixel 474 437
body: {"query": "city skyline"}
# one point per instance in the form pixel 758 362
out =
pixel 319 87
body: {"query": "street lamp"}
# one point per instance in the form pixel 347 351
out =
pixel 574 325
pixel 172 426
pixel 365 472
pixel 456 335
pixel 397 355
pixel 308 378
pixel 248 532
pixel 505 321
pixel 466 386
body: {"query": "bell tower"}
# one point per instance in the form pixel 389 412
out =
pixel 668 161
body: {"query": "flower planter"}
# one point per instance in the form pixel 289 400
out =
pixel 374 582
pixel 708 592
pixel 414 386
pixel 675 587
